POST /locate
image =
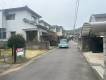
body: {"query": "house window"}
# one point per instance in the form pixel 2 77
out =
pixel 2 33
pixel 13 33
pixel 10 17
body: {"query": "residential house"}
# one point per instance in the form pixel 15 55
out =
pixel 21 20
pixel 49 36
pixel 58 30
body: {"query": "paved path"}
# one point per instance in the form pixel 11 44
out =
pixel 61 64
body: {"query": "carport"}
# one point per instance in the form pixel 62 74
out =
pixel 99 28
pixel 93 36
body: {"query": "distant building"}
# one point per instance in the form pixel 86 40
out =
pixel 68 33
pixel 58 30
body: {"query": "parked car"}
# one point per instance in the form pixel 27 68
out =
pixel 63 44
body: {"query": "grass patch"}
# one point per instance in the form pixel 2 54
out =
pixel 33 53
pixel 7 52
pixel 28 55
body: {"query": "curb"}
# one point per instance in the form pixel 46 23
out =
pixel 93 70
pixel 27 63
pixel 97 74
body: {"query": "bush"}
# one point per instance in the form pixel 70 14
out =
pixel 16 41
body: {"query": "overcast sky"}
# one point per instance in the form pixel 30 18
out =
pixel 60 12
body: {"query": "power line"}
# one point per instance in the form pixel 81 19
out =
pixel 76 14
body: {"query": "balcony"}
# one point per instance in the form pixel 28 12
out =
pixel 30 21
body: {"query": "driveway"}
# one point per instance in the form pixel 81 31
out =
pixel 61 64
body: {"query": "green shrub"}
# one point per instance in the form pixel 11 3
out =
pixel 16 41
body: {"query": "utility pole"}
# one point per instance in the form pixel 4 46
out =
pixel 76 16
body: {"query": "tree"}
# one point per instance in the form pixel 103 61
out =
pixel 14 42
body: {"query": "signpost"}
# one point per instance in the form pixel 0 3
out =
pixel 20 53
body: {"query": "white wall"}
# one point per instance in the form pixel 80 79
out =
pixel 2 22
pixel 18 24
pixel 0 19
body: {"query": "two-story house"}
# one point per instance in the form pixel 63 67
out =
pixel 21 20
pixel 58 30
pixel 49 35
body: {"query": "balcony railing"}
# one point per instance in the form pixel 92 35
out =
pixel 30 21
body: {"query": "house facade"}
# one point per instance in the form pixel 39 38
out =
pixel 58 30
pixel 50 35
pixel 21 20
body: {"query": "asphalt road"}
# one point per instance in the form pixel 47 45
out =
pixel 60 64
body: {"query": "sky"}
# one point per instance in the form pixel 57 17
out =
pixel 60 12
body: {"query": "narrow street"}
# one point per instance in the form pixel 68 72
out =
pixel 61 64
